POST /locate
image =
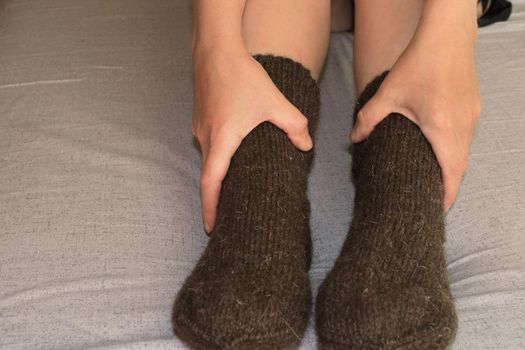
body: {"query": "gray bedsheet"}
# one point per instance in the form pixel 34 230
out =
pixel 99 207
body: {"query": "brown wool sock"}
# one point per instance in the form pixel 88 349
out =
pixel 250 288
pixel 388 288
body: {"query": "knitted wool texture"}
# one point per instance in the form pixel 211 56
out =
pixel 388 288
pixel 250 288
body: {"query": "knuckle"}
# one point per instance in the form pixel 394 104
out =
pixel 201 129
pixel 194 126
pixel 194 131
pixel 300 125
pixel 362 117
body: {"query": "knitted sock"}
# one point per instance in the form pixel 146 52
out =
pixel 388 287
pixel 250 288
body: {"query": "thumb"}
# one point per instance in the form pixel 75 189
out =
pixel 295 125
pixel 373 112
pixel 216 162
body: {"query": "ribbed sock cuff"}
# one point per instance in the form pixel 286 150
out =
pixel 295 81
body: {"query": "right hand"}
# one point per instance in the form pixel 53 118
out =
pixel 232 95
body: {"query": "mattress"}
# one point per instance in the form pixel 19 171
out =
pixel 99 195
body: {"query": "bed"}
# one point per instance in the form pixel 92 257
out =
pixel 99 195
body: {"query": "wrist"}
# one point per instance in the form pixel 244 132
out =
pixel 216 46
pixel 217 26
pixel 218 53
pixel 452 19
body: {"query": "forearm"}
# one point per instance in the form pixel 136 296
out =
pixel 217 25
pixel 449 19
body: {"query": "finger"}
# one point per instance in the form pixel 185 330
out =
pixel 454 174
pixel 216 164
pixel 295 125
pixel 375 110
pixel 451 183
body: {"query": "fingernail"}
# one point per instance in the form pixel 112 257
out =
pixel 310 143
pixel 206 228
pixel 352 136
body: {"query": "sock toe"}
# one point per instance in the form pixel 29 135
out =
pixel 404 319
pixel 216 313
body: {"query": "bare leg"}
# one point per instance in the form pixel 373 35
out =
pixel 388 287
pixel 250 288
pixel 383 29
pixel 298 29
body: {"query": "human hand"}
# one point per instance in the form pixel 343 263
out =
pixel 232 95
pixel 434 84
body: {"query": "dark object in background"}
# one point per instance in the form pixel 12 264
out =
pixel 497 11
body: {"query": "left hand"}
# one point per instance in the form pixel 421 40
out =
pixel 434 84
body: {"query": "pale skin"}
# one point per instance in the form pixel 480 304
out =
pixel 427 44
